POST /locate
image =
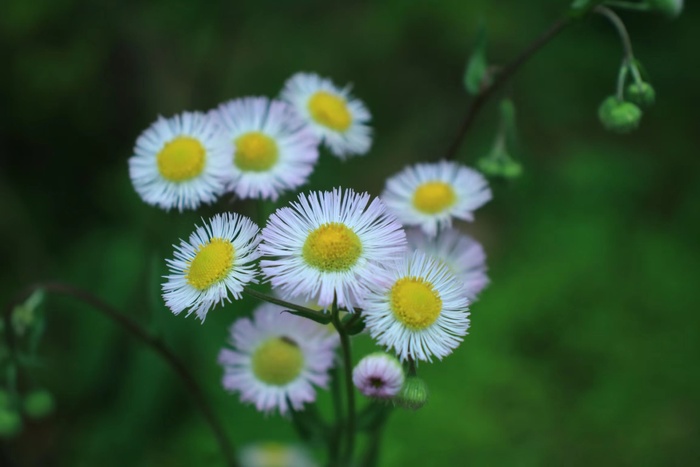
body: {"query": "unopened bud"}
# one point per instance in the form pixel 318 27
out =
pixel 500 167
pixel 641 94
pixel 619 116
pixel 10 423
pixel 413 394
pixel 670 8
pixel 38 404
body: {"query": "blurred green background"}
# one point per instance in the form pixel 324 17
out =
pixel 583 350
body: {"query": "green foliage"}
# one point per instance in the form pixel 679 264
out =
pixel 583 349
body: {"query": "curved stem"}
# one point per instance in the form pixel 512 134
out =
pixel 503 76
pixel 141 334
pixel 621 30
pixel 349 388
pixel 628 5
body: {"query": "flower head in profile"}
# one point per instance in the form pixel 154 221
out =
pixel 277 359
pixel 329 244
pixel 180 162
pixel 462 255
pixel 273 149
pixel 379 376
pixel 339 119
pixel 216 261
pixel 270 454
pixel 429 196
pixel 418 308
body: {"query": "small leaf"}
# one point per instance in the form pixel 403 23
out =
pixel 477 75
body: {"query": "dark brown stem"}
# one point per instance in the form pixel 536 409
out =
pixel 501 78
pixel 156 344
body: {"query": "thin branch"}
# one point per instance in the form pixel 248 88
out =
pixel 155 344
pixel 502 78
pixel 621 30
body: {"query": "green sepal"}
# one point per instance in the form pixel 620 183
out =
pixel 476 75
pixel 354 323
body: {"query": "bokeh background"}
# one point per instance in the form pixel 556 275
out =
pixel 584 349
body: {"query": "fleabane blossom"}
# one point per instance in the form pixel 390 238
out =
pixel 329 244
pixel 218 260
pixel 271 454
pixel 462 255
pixel 418 308
pixel 180 162
pixel 337 118
pixel 277 359
pixel 430 195
pixel 378 375
pixel 273 150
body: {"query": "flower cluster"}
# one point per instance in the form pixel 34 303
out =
pixel 395 263
pixel 254 147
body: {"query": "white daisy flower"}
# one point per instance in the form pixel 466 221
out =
pixel 270 454
pixel 180 162
pixel 379 376
pixel 418 308
pixel 218 260
pixel 329 244
pixel 339 119
pixel 277 358
pixel 273 149
pixel 462 255
pixel 430 195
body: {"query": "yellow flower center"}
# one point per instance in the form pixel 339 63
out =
pixel 330 110
pixel 211 264
pixel 273 455
pixel 332 247
pixel 181 159
pixel 255 152
pixel 415 302
pixel 434 197
pixel 278 361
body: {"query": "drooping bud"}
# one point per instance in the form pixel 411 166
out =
pixel 618 115
pixel 413 394
pixel 670 8
pixel 503 167
pixel 642 94
pixel 38 404
pixel 10 423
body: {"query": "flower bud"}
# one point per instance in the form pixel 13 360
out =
pixel 670 8
pixel 500 167
pixel 641 94
pixel 38 404
pixel 413 394
pixel 10 423
pixel 619 116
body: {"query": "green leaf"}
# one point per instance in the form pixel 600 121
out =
pixel 476 76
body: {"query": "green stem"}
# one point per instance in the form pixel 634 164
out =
pixel 628 5
pixel 349 388
pixel 335 436
pixel 296 309
pixel 502 78
pixel 371 456
pixel 135 329
pixel 621 79
pixel 621 30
